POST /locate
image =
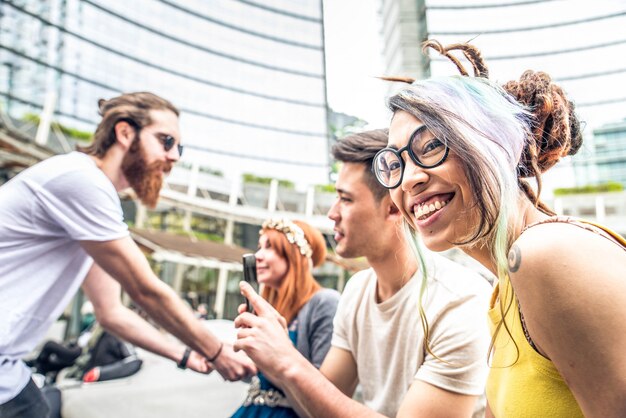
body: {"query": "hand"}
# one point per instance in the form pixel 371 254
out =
pixel 264 336
pixel 233 366
pixel 198 363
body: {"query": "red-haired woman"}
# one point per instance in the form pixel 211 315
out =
pixel 288 251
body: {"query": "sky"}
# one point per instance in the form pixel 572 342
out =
pixel 354 59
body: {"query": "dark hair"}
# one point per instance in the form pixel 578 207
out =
pixel 555 131
pixel 133 108
pixel 361 148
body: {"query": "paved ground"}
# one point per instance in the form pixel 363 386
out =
pixel 158 390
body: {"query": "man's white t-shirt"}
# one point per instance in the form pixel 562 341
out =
pixel 45 212
pixel 387 339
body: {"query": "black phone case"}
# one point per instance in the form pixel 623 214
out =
pixel 249 275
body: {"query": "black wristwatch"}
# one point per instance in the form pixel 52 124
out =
pixel 182 364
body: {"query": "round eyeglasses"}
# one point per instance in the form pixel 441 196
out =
pixel 425 151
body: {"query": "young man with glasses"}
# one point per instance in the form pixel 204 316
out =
pixel 61 225
pixel 379 335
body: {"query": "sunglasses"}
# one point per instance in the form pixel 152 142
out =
pixel 168 142
pixel 425 152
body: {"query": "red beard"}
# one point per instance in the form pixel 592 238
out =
pixel 145 179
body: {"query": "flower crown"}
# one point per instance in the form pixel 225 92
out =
pixel 294 234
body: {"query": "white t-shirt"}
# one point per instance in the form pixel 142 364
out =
pixel 387 339
pixel 44 212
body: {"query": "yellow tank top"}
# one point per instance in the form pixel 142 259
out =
pixel 531 386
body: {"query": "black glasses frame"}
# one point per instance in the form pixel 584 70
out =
pixel 409 149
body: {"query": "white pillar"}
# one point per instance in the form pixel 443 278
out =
pixel 273 196
pixel 192 189
pixel 177 285
pixel 310 201
pixel 222 278
pixel 187 221
pixel 220 292
pixel 192 186
pixel 600 209
pixel 232 201
pixel 140 215
pixel 45 119
pixel 43 130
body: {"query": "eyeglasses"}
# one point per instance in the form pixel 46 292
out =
pixel 168 142
pixel 388 164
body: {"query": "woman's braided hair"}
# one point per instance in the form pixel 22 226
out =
pixel 555 126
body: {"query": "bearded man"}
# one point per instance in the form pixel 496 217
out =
pixel 61 225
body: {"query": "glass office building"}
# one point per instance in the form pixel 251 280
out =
pixel 248 76
pixel 609 153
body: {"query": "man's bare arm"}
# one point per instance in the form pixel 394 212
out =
pixel 123 261
pixel 425 400
pixel 340 368
pixel 263 337
pixel 104 292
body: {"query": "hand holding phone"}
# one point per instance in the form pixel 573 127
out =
pixel 249 275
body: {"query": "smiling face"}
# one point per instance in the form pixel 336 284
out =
pixel 271 267
pixel 147 162
pixel 435 201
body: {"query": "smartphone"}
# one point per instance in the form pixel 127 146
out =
pixel 249 275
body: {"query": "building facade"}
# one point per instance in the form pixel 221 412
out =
pixel 403 29
pixel 249 77
pixel 605 161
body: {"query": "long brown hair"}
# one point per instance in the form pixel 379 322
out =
pixel 299 285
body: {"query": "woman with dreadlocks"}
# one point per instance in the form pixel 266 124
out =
pixel 460 149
